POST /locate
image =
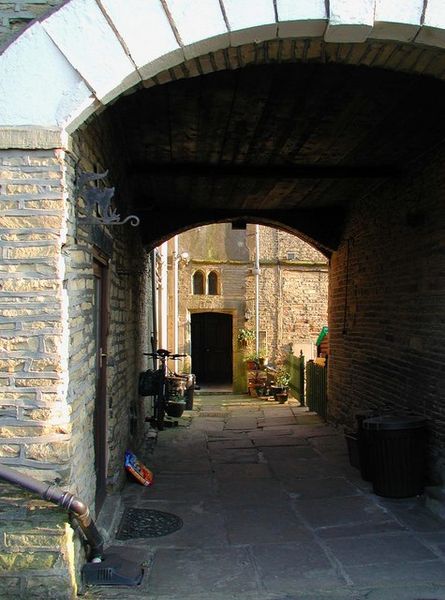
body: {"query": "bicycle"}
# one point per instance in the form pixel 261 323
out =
pixel 162 377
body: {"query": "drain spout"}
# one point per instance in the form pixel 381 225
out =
pixel 66 500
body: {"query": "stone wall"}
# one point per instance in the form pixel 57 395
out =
pixel 387 305
pixel 48 358
pixel 35 415
pixel 293 292
pixel 15 15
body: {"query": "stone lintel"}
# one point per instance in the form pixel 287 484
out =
pixel 34 138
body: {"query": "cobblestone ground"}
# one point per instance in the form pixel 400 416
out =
pixel 272 510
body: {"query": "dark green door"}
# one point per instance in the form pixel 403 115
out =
pixel 212 348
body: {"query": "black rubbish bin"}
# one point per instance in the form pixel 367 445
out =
pixel 396 450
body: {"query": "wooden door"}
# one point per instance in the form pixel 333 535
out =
pixel 212 348
pixel 100 409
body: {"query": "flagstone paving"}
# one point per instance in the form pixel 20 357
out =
pixel 272 510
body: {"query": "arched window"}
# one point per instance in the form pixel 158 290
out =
pixel 198 282
pixel 212 283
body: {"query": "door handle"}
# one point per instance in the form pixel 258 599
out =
pixel 102 355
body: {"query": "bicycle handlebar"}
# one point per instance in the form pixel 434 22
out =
pixel 164 354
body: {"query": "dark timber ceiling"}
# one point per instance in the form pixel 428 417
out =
pixel 282 142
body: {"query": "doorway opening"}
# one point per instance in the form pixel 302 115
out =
pixel 212 348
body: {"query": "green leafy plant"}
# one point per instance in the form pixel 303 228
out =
pixel 282 378
pixel 246 336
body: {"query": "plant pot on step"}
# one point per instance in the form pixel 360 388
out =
pixel 175 408
pixel 282 397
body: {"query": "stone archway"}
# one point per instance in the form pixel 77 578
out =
pixel 73 62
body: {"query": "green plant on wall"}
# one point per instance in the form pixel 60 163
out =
pixel 246 336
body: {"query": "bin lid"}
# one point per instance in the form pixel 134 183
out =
pixel 394 422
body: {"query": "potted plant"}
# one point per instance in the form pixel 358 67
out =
pixel 281 386
pixel 245 337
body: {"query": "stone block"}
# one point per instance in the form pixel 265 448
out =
pixel 21 80
pixel 45 586
pixel 38 383
pixel 397 21
pixel 86 39
pixel 31 539
pixel 28 560
pixel 18 344
pixel 9 587
pixel 9 450
pixel 12 365
pixel 46 364
pixel 55 452
pixel 31 222
pixel 27 252
pixel 148 36
pixel 350 21
pixel 301 19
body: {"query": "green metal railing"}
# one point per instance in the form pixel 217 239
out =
pixel 295 366
pixel 316 396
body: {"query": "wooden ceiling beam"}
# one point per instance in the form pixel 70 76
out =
pixel 277 172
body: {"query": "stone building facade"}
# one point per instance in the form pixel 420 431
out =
pixel 57 80
pixel 293 288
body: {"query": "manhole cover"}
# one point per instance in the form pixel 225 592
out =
pixel 147 523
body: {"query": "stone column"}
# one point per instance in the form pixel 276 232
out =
pixel 35 428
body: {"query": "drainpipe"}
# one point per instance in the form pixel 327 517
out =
pixel 256 272
pixel 154 295
pixel 67 501
pixel 163 304
pixel 175 295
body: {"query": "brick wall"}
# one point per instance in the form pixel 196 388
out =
pixel 387 305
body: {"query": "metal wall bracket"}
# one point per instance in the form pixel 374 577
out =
pixel 98 201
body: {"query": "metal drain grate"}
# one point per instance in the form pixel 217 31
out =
pixel 147 523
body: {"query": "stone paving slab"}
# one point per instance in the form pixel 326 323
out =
pixel 397 573
pixel 247 493
pixel 263 525
pixel 233 455
pixel 331 512
pixel 288 454
pixel 313 468
pixel 241 423
pixel 278 441
pixel 329 487
pixel 236 472
pixel 231 444
pixel 396 548
pixel 276 421
pixel 292 568
pixel 272 431
pixel 186 572
pixel 176 487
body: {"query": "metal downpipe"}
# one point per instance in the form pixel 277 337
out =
pixel 66 500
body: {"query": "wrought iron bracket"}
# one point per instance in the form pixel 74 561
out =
pixel 98 200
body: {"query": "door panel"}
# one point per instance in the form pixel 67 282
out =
pixel 100 409
pixel 212 347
